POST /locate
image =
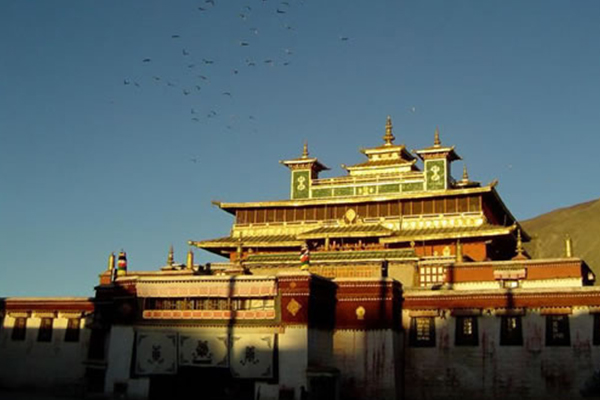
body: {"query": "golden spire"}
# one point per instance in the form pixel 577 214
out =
pixel 305 150
pixel 519 249
pixel 568 246
pixel 111 261
pixel 459 252
pixel 436 138
pixel 190 260
pixel 388 137
pixel 171 256
pixel 465 176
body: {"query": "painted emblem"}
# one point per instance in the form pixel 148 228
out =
pixel 301 186
pixel 156 357
pixel 249 356
pixel 202 354
pixel 360 313
pixel 293 307
pixel 435 173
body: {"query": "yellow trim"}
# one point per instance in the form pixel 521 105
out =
pixel 354 200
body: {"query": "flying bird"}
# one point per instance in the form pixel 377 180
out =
pixel 244 44
pixel 227 94
pixel 254 30
pixel 126 82
pixel 344 38
pixel 170 84
pixel 195 119
pixel 280 11
pixel 203 77
pixel 201 9
pixel 136 84
pixel 175 36
pixel 191 65
pixel 205 61
pixel 198 87
pixel 413 109
pixel 146 60
pixel 211 2
pixel 185 92
pixel 185 52
pixel 156 78
pixel 250 63
pixel 243 16
pixel 235 71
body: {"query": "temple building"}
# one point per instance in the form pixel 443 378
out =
pixel 394 281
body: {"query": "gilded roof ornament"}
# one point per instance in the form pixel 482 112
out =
pixel 568 246
pixel 519 249
pixel 171 256
pixel 388 137
pixel 436 138
pixel 305 150
pixel 465 176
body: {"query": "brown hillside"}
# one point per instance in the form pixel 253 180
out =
pixel 581 222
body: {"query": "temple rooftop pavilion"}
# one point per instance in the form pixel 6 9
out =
pixel 385 208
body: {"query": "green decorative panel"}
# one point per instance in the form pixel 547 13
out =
pixel 389 188
pixel 300 184
pixel 343 191
pixel 322 193
pixel 366 190
pixel 412 186
pixel 435 174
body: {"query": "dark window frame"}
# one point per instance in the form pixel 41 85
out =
pixel 415 338
pixel 511 333
pixel 73 329
pixel 461 335
pixel 558 330
pixel 596 333
pixel 19 329
pixel 45 330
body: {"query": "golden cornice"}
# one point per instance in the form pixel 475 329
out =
pixel 505 230
pixel 354 199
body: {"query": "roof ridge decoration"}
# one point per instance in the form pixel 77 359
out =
pixel 388 138
pixel 436 138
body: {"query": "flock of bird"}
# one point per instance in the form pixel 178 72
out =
pixel 197 69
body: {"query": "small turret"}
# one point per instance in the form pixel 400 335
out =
pixel 122 264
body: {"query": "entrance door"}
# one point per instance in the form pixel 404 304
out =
pixel 201 383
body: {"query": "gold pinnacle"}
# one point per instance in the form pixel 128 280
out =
pixel 388 137
pixel 568 246
pixel 465 176
pixel 305 150
pixel 519 243
pixel 436 138
pixel 171 256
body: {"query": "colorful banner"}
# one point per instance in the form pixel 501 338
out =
pixel 203 350
pixel 252 355
pixel 156 353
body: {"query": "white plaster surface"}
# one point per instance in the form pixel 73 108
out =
pixel 31 365
pixel 491 371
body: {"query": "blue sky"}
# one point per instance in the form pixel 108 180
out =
pixel 101 151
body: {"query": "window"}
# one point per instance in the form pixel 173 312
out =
pixel 19 329
pixel 45 331
pixel 422 332
pixel 511 331
pixel 431 275
pixel 466 331
pixel 72 332
pixel 557 330
pixel 596 329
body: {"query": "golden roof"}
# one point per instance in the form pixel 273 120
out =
pixel 359 230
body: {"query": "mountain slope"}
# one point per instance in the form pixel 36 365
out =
pixel 581 222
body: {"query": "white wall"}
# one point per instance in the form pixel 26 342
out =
pixel 367 361
pixel 491 371
pixel 56 365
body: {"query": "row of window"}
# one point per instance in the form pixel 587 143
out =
pixel 45 330
pixel 393 208
pixel 212 303
pixel 422 331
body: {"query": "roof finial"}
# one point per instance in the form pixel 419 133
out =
pixel 305 150
pixel 520 250
pixel 465 176
pixel 436 139
pixel 388 137
pixel 171 256
pixel 568 246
